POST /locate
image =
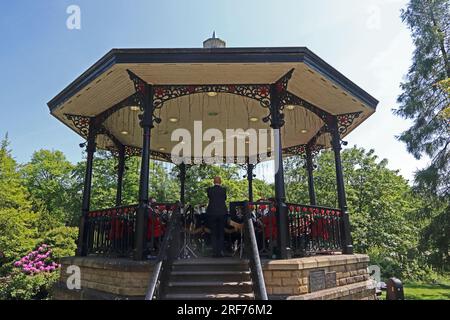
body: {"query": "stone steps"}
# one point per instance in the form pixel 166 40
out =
pixel 208 275
pixel 192 296
pixel 198 279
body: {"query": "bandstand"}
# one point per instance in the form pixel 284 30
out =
pixel 130 103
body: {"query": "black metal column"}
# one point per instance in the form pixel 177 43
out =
pixel 83 232
pixel 120 172
pixel 250 167
pixel 142 213
pixel 347 246
pixel 182 177
pixel 310 169
pixel 277 122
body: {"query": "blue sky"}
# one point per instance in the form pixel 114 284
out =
pixel 365 40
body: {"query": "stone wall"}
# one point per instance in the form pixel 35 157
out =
pixel 289 279
pixel 105 278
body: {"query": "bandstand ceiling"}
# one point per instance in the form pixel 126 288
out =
pixel 107 83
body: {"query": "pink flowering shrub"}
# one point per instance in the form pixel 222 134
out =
pixel 37 261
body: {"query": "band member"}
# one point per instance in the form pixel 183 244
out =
pixel 216 211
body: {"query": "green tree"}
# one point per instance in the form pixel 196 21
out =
pixel 48 178
pixel 384 211
pixel 199 178
pixel 17 221
pixel 12 193
pixel 423 100
pixel 163 185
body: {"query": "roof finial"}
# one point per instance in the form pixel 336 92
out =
pixel 214 42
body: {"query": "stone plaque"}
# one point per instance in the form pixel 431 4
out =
pixel 317 280
pixel 330 279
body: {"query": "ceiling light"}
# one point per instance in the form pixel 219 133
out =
pixel 124 132
pixel 212 94
pixel 134 108
pixel 254 119
pixel 162 149
pixel 304 131
pixel 290 107
pixel 173 120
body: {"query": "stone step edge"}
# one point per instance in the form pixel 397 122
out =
pixel 200 296
pixel 208 273
pixel 236 284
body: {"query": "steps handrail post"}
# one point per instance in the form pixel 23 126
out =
pixel 255 261
pixel 163 256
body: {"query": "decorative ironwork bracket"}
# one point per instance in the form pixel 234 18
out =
pixel 226 160
pixel 132 100
pixel 145 96
pixel 141 88
pixel 277 90
pixel 137 152
pixel 288 98
pixel 259 92
pixel 344 121
pixel 341 121
pixel 82 123
pixel 300 150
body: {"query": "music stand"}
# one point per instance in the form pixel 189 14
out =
pixel 186 251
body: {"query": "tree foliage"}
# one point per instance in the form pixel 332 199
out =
pixel 41 203
pixel 385 214
pixel 48 178
pixel 425 99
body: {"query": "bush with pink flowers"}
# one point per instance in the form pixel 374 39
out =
pixel 37 261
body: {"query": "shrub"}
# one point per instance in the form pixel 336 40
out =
pixel 37 261
pixel 406 269
pixel 62 240
pixel 19 286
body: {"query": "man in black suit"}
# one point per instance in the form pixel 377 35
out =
pixel 216 211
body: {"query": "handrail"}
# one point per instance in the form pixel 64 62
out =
pixel 259 286
pixel 311 206
pixel 164 259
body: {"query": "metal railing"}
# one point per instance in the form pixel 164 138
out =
pixel 314 229
pixel 111 232
pixel 169 252
pixel 252 253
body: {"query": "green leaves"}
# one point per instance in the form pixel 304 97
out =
pixel 384 211
pixel 425 98
pixel 48 178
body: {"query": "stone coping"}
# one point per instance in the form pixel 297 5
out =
pixel 314 262
pixel 124 264
pixel 119 264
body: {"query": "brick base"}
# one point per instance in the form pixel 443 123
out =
pixel 105 278
pixel 113 279
pixel 289 279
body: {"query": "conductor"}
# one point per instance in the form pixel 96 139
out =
pixel 216 212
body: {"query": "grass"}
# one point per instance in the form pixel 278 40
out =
pixel 424 291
